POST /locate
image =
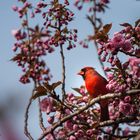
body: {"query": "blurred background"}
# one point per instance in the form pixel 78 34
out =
pixel 14 95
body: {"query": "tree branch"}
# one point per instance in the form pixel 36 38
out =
pixel 130 54
pixel 41 118
pixel 63 72
pixel 93 101
pixel 135 124
pixel 118 136
pixel 117 121
pixel 26 131
pixel 93 20
pixel 115 126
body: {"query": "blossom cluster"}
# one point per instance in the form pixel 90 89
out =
pixel 123 75
pixel 56 17
pixel 99 5
pixel 83 125
pixel 29 48
pixel 34 42
pixel 94 7
pixel 123 107
pixel 78 127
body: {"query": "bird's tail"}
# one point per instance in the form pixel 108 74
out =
pixel 104 111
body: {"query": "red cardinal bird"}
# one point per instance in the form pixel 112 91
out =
pixel 96 85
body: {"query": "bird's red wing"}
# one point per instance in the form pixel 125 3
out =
pixel 96 86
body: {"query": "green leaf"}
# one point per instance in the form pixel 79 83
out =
pixel 17 57
pixel 125 24
pixel 94 37
pixel 47 86
pixel 98 35
pixel 51 87
pixel 118 64
pixel 65 30
pixel 54 85
pixel 137 22
pixel 40 91
pixel 76 89
pixel 36 95
pixel 106 28
pixel 23 1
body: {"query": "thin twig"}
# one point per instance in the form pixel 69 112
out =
pixel 130 54
pixel 93 19
pixel 61 102
pixel 63 72
pixel 114 127
pixel 28 32
pixel 101 63
pixel 117 121
pixel 26 131
pixel 93 101
pixel 134 125
pixel 118 136
pixel 53 136
pixel 41 118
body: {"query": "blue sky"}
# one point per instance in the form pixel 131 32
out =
pixel 119 11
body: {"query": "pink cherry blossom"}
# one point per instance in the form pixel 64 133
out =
pixel 46 105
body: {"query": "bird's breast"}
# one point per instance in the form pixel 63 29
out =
pixel 96 86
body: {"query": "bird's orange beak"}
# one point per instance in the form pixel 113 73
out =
pixel 80 73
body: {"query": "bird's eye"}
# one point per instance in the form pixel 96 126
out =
pixel 84 70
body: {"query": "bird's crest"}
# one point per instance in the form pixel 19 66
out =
pixel 87 68
pixel 84 70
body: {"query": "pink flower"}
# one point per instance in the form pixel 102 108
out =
pixel 127 99
pixel 46 105
pixel 50 119
pixel 75 127
pixel 134 61
pixel 127 45
pixel 82 90
pixel 49 137
pixel 89 132
pixel 57 115
pixel 106 69
pixel 61 134
pixel 15 8
pixel 85 98
pixel 126 131
pixel 124 108
pixel 110 46
pixel 67 111
pixel 108 130
pixel 72 137
pixel 100 50
pixel 118 39
pixel 79 133
pixel 113 112
pixel 99 138
pixel 110 76
pixel 15 32
pixel 133 109
pixel 70 97
pixel 135 66
pixel 104 1
pixel 86 0
pixel 18 35
pixel 68 125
